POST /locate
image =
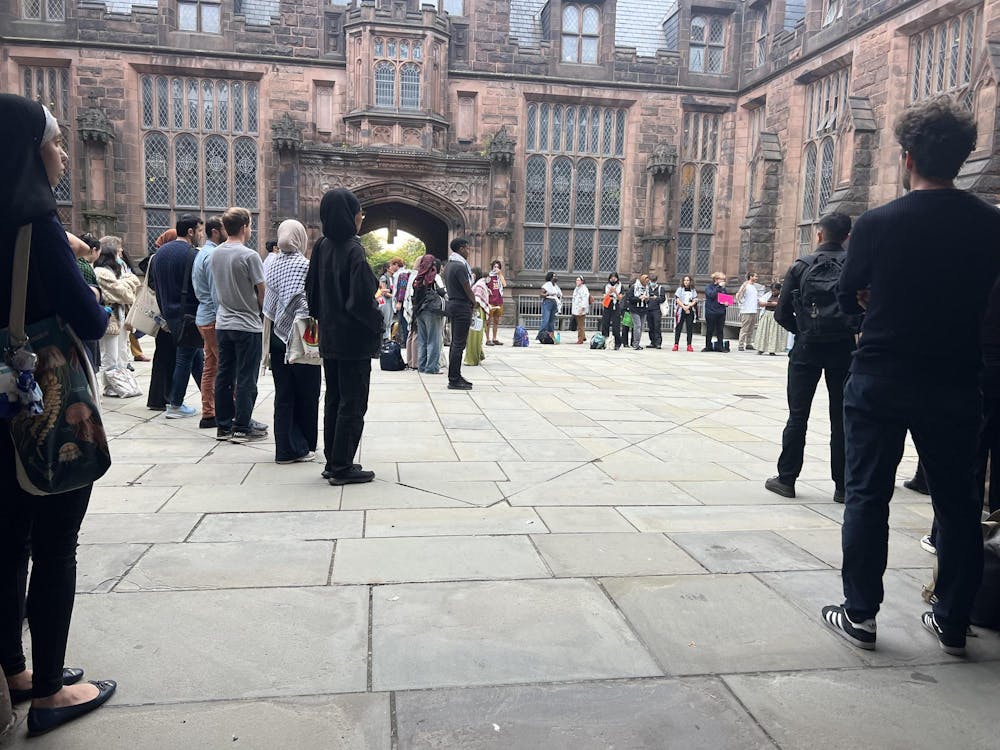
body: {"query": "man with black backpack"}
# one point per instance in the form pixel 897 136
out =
pixel 824 343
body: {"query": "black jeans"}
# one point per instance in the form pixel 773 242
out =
pixel 161 378
pixel 806 363
pixel 687 319
pixel 944 419
pixel 653 318
pixel 715 324
pixel 461 319
pixel 611 324
pixel 296 405
pixel 989 441
pixel 239 360
pixel 347 384
pixel 45 529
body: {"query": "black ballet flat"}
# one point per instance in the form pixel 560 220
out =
pixel 70 677
pixel 42 720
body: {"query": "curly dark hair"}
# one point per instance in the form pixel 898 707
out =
pixel 939 134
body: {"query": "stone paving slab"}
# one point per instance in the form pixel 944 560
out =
pixel 229 565
pixel 331 722
pixel 245 498
pixel 147 528
pixel 499 632
pixel 931 707
pixel 264 527
pixel 746 552
pixel 101 566
pixel 384 494
pixel 499 519
pixel 723 623
pixel 575 520
pixel 161 648
pixel 694 714
pixel 404 560
pixel 116 499
pixel 904 550
pixel 190 474
pixel 725 518
pixel 606 554
pixel 481 471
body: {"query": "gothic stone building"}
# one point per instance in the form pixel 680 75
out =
pixel 581 136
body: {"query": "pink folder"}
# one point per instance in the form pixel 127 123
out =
pixel 726 299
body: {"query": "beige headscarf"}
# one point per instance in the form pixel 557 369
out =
pixel 292 237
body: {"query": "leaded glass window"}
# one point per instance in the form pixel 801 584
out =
pixel 826 100
pixel 707 50
pixel 696 194
pixel 760 56
pixel 199 15
pixel 570 193
pixel 157 222
pixel 942 58
pixel 50 86
pixel 409 81
pixel 196 153
pixel 809 183
pixel 581 33
pixel 827 153
pixel 385 85
pixel 43 10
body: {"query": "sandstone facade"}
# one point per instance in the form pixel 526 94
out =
pixel 581 137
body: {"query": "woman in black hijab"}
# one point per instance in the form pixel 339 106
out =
pixel 341 291
pixel 42 527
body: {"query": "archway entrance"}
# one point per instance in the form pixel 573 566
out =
pixel 396 216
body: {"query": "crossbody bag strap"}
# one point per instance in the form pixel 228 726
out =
pixel 187 282
pixel 19 287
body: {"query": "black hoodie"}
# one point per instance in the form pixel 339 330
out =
pixel 340 285
pixel 55 284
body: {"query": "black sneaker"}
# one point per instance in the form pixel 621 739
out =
pixel 916 485
pixel 254 424
pixel 223 433
pixel 861 634
pixel 950 644
pixel 329 474
pixel 247 434
pixel 838 496
pixel 207 423
pixel 352 476
pixel 459 385
pixel 775 485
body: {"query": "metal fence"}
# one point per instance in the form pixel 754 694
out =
pixel 529 314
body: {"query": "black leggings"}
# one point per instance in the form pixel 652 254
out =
pixel 687 320
pixel 714 325
pixel 611 324
pixel 44 528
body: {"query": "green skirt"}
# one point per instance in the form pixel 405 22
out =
pixel 474 353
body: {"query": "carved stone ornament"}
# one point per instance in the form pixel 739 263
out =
pixel 662 161
pixel 286 133
pixel 502 147
pixel 93 124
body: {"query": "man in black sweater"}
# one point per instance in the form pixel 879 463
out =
pixel 916 369
pixel 809 359
pixel 458 282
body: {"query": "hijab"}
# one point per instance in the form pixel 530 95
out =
pixel 426 272
pixel 25 192
pixel 337 211
pixel 169 236
pixel 292 237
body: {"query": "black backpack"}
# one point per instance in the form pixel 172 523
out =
pixel 818 316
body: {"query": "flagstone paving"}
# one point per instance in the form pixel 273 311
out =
pixel 577 554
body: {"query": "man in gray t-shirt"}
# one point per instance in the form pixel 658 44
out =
pixel 238 274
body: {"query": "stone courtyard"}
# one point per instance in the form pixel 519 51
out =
pixel 577 554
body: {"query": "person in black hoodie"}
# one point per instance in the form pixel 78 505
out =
pixel 45 527
pixel 340 288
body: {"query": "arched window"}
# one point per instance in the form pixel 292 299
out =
pixel 562 190
pixel 155 169
pixel 942 58
pixel 245 182
pixel 557 128
pixel 543 128
pixel 827 153
pixel 409 86
pixel 192 104
pixel 809 183
pixel 696 199
pixel 532 127
pixel 569 127
pixel 534 206
pixel 611 193
pixel 208 105
pixel 187 191
pixel 216 173
pixel 706 51
pixel 760 56
pixel 586 187
pixel 385 85
pixel 581 33
pixel 162 103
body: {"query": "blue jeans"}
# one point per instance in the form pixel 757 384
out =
pixel 944 420
pixel 189 362
pixel 550 310
pixel 239 361
pixel 429 327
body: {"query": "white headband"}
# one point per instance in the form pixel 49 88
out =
pixel 51 126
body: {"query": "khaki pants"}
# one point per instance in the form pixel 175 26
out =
pixel 748 327
pixel 211 368
pixel 581 325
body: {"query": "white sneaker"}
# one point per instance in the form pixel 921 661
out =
pixel 925 542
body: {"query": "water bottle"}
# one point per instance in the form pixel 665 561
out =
pixel 558 340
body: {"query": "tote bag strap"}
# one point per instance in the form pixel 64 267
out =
pixel 19 287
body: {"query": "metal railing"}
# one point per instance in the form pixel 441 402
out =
pixel 529 314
